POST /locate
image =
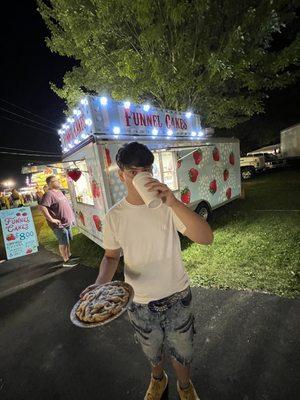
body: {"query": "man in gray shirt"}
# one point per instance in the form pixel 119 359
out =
pixel 59 215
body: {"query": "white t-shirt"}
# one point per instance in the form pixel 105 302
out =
pixel 151 248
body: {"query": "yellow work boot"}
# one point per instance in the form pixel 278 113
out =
pixel 187 394
pixel 157 388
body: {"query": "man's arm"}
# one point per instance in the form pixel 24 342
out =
pixel 197 229
pixel 107 270
pixel 48 216
pixel 108 266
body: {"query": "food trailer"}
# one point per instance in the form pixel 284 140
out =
pixel 203 171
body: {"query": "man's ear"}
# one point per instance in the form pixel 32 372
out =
pixel 121 175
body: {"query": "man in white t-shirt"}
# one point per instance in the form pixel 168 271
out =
pixel 161 313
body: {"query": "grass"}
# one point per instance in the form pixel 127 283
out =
pixel 256 245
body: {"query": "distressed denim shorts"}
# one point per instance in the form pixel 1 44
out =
pixel 63 235
pixel 172 330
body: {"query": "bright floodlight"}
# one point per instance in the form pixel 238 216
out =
pixel 169 132
pixel 9 183
pixel 127 104
pixel 103 101
pixel 116 130
pixel 146 107
pixel 188 114
pixel 88 122
pixel 154 131
pixel 194 133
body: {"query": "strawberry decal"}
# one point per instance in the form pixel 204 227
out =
pixel 216 154
pixel 18 214
pixel 81 217
pixel 95 189
pixel 24 214
pixel 228 193
pixel 28 251
pixel 231 158
pixel 225 174
pixel 108 158
pixel 179 162
pixel 197 155
pixel 186 195
pixel 193 174
pixel 10 237
pixel 213 187
pixel 97 222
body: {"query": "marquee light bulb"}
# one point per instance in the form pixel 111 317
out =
pixel 103 101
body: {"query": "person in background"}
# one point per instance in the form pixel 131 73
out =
pixel 4 202
pixel 16 198
pixel 39 195
pixel 59 215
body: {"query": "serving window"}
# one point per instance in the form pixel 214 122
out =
pixel 82 187
pixel 165 168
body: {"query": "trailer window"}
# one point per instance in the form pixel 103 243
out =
pixel 82 187
pixel 165 167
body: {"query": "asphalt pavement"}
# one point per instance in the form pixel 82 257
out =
pixel 246 346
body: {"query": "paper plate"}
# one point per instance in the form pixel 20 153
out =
pixel 76 321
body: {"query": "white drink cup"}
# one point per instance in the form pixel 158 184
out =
pixel 150 197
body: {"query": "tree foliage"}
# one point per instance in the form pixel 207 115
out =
pixel 216 57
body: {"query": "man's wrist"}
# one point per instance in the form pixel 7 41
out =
pixel 177 203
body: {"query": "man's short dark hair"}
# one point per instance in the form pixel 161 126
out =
pixel 48 179
pixel 134 154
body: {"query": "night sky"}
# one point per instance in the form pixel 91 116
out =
pixel 27 67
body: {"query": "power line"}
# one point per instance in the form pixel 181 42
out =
pixel 29 119
pixel 32 151
pixel 24 109
pixel 29 154
pixel 30 126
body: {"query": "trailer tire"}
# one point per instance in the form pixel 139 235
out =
pixel 247 173
pixel 204 210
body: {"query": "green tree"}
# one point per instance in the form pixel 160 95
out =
pixel 216 57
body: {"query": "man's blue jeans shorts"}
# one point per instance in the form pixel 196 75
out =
pixel 172 329
pixel 63 235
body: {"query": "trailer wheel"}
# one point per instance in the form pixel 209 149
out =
pixel 204 210
pixel 247 173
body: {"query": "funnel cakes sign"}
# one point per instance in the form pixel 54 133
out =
pixel 18 232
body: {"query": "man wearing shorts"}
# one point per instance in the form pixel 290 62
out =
pixel 161 313
pixel 59 215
